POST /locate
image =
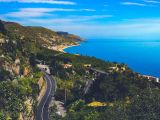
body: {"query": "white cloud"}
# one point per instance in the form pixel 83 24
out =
pixel 89 10
pixel 91 17
pixel 133 3
pixel 152 1
pixel 66 20
pixel 132 28
pixel 38 12
pixel 42 1
pixel 29 12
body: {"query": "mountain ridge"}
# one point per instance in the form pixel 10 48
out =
pixel 41 35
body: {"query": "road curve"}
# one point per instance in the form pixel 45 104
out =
pixel 99 71
pixel 42 109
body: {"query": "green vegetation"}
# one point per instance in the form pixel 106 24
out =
pixel 118 94
pixel 4 75
pixel 113 88
pixel 39 35
pixel 54 115
pixel 14 93
pixel 124 90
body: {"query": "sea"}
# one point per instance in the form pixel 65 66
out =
pixel 142 56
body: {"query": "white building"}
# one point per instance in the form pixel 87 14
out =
pixel 44 67
pixel 157 80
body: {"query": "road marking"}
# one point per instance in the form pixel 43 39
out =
pixel 47 97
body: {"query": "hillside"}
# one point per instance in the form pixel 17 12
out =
pixel 40 35
pixel 87 87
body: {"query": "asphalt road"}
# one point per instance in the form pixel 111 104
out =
pixel 90 82
pixel 42 109
pixel 99 71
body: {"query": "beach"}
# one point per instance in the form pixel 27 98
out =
pixel 61 48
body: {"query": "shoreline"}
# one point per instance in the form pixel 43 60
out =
pixel 62 48
pixel 66 47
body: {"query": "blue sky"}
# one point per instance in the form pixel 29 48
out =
pixel 133 19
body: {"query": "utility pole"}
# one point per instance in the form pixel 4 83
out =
pixel 65 95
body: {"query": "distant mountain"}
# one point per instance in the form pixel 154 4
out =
pixel 41 35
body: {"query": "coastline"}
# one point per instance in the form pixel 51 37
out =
pixel 65 47
pixel 61 48
pixel 149 77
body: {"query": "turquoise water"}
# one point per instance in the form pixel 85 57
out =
pixel 141 56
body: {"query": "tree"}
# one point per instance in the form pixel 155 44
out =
pixel 53 115
pixel 145 106
pixel 32 60
pixel 2 116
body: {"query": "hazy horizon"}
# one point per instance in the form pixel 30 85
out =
pixel 131 19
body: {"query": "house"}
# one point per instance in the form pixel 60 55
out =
pixel 157 80
pixel 87 65
pixel 123 68
pixel 67 66
pixel 113 69
pixel 77 54
pixel 2 41
pixel 151 78
pixel 2 56
pixel 17 61
pixel 44 67
pixel 117 68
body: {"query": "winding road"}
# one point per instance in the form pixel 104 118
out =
pixel 98 71
pixel 90 82
pixel 42 109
